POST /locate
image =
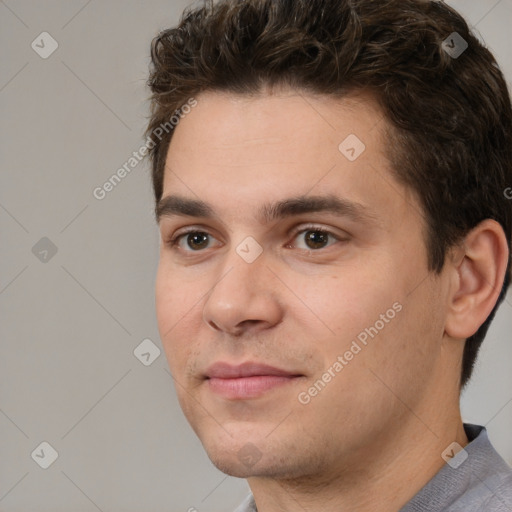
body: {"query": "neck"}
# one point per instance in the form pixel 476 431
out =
pixel 383 476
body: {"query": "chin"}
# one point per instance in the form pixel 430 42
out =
pixel 239 455
pixel 254 456
pixel 229 459
pixel 233 468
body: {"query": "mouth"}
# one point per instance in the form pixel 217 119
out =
pixel 247 380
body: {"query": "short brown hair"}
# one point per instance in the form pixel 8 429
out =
pixel 451 117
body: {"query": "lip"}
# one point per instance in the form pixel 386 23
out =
pixel 222 370
pixel 247 380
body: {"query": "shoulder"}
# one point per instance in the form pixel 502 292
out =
pixel 492 493
pixel 481 480
pixel 248 505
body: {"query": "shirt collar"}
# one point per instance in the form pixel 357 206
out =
pixel 475 477
pixel 475 473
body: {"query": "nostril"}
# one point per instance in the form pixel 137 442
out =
pixel 213 325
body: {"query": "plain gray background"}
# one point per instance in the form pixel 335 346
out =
pixel 70 323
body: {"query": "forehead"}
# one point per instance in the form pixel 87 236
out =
pixel 240 151
pixel 227 126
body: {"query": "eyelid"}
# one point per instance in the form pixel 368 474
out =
pixel 314 227
pixel 174 240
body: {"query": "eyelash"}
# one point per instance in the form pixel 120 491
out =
pixel 173 242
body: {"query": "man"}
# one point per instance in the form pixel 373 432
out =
pixel 335 242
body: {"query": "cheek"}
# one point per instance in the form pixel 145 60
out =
pixel 174 297
pixel 353 301
pixel 367 311
pixel 165 301
pixel 405 353
pixel 174 311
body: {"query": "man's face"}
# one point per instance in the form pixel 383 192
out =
pixel 338 301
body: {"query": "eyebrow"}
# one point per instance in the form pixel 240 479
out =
pixel 175 205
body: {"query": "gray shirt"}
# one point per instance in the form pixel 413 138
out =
pixel 476 479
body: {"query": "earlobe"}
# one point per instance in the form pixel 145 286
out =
pixel 478 278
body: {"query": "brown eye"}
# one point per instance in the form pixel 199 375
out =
pixel 313 238
pixel 316 239
pixel 191 241
pixel 197 240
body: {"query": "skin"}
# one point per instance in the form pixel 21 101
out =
pixel 375 433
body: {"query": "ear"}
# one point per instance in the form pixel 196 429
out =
pixel 478 274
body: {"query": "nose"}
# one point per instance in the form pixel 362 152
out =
pixel 244 298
